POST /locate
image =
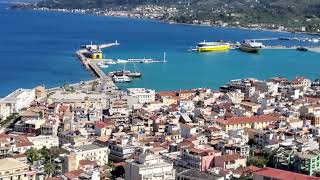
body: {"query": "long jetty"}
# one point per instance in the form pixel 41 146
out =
pixel 91 65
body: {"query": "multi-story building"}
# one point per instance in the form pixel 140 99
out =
pixel 143 95
pixel 44 141
pixel 92 152
pixel 307 162
pixel 230 162
pixel 120 150
pixel 19 99
pixel 255 122
pixel 196 158
pixel 15 143
pixel 11 169
pixel 149 167
pixel 29 126
pixel 4 111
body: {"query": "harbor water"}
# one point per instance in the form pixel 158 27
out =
pixel 38 48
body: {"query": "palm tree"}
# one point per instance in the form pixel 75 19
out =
pixel 49 167
pixel 32 155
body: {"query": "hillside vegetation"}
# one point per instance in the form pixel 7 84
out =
pixel 293 13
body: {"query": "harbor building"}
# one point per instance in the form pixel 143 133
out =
pixel 97 54
pixel 13 169
pixel 144 95
pixel 93 51
pixel 149 166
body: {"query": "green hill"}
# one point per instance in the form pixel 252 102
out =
pixel 290 13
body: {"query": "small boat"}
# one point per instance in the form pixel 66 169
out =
pixel 121 61
pixel 250 46
pixel 134 74
pixel 284 38
pixel 102 65
pixel 121 79
pixel 110 62
pixel 302 48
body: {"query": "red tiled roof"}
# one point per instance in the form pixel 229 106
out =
pixel 87 162
pixel 20 140
pixel 282 175
pixel 201 152
pixel 229 157
pixel 247 170
pixel 73 174
pixel 120 164
pixel 239 120
pixel 167 93
pixel 23 141
pixel 212 129
pixel 100 124
pixel 186 92
pixel 53 178
pixel 63 108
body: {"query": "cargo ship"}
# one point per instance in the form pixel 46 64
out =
pixel 250 46
pixel 212 46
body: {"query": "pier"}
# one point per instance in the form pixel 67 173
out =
pixel 96 70
pixel 90 65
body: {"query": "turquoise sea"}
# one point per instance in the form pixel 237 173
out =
pixel 37 48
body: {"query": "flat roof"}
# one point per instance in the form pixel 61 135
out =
pixel 197 174
pixel 10 163
pixel 89 147
pixel 14 95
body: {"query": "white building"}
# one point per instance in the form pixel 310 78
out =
pixel 4 111
pixel 121 151
pixel 41 141
pixel 92 152
pixel 144 95
pixel 19 99
pixel 149 167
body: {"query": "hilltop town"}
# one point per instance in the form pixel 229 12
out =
pixel 248 128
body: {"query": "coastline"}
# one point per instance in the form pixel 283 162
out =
pixel 99 13
pixel 154 20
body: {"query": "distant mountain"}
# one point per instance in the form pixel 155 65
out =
pixel 294 13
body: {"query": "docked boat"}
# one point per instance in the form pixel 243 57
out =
pixel 121 61
pixel 212 46
pixel 102 65
pixel 250 46
pixel 121 79
pixel 110 62
pixel 126 73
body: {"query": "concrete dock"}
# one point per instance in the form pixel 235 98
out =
pixel 91 65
